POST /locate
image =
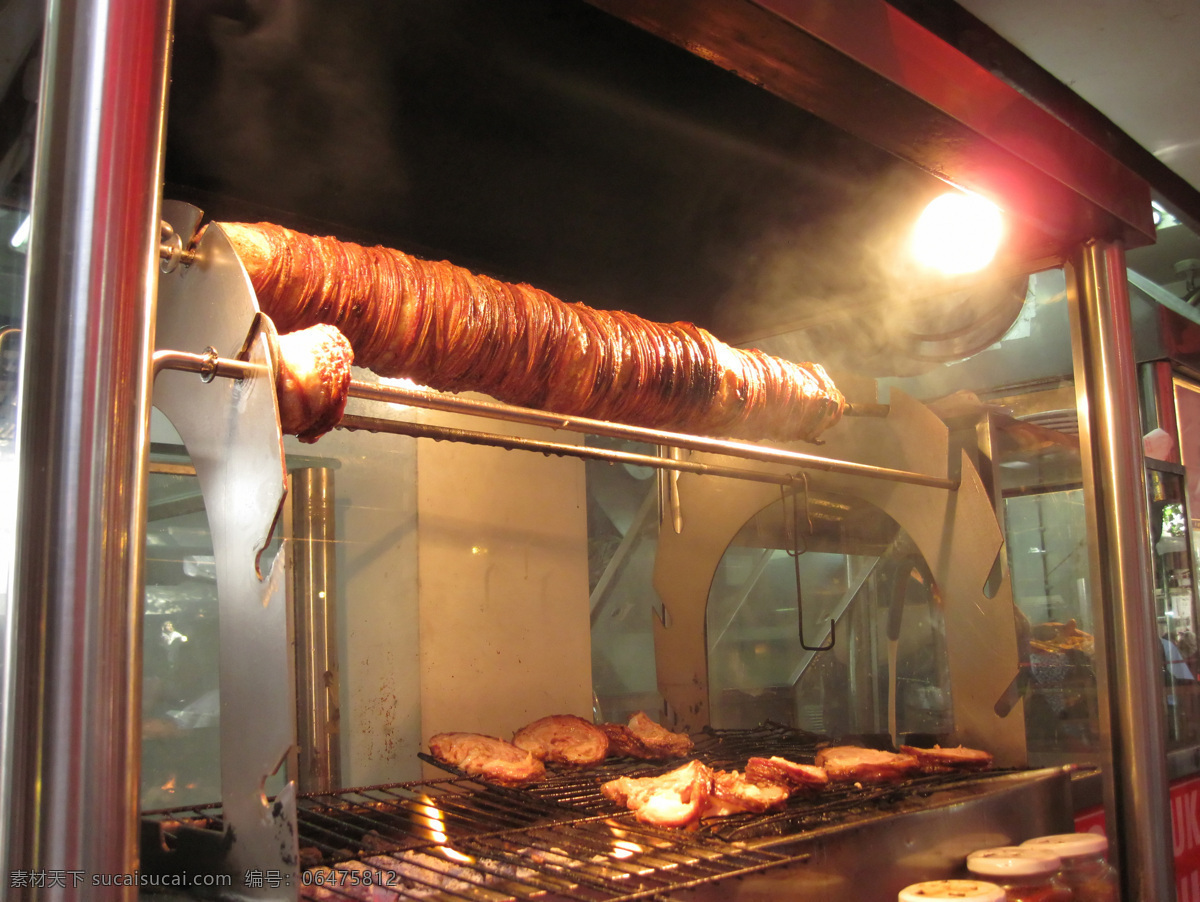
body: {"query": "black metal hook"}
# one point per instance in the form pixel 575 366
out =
pixel 794 554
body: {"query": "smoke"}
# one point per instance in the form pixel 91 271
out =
pixel 844 289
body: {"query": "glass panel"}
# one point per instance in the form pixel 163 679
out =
pixel 20 24
pixel 1048 559
pixel 1165 279
pixel 1175 600
pixel 180 688
pixel 623 522
pixel 834 681
pixel 1011 407
pixel 1187 414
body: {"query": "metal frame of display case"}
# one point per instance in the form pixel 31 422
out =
pixel 69 787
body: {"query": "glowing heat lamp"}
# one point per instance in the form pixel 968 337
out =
pixel 958 233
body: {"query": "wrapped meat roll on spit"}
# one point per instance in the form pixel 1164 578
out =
pixel 452 330
pixel 311 380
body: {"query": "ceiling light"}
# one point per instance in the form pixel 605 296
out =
pixel 958 233
pixel 1162 217
pixel 20 238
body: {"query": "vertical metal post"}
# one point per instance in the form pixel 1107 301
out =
pixel 70 794
pixel 314 586
pixel 1115 487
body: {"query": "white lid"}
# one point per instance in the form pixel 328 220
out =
pixel 1071 845
pixel 1014 861
pixel 952 891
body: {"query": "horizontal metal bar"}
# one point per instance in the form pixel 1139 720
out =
pixel 354 422
pixel 209 366
pixel 206 365
pixel 745 450
pixel 169 469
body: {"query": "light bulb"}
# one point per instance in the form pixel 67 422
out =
pixel 958 233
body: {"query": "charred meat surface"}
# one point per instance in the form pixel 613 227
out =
pixel 454 330
pixel 487 757
pixel 563 739
pixel 853 764
pixel 311 380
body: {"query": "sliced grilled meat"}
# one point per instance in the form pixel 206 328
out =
pixel 782 772
pixel 658 740
pixel 733 793
pixel 674 799
pixel 852 764
pixel 642 738
pixel 938 760
pixel 563 739
pixel 487 757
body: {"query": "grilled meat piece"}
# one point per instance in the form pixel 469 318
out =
pixel 564 739
pixel 782 772
pixel 732 793
pixel 453 330
pixel 674 799
pixel 622 743
pixel 852 764
pixel 487 757
pixel 642 738
pixel 938 760
pixel 311 381
pixel 658 740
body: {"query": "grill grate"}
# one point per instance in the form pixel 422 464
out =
pixel 558 839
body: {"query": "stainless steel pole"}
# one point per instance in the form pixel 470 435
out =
pixel 72 791
pixel 1115 488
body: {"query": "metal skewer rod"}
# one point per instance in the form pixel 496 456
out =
pixel 207 366
pixel 354 423
pixel 210 366
pixel 745 450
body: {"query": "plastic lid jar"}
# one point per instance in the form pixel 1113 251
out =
pixel 1026 873
pixel 952 891
pixel 1085 869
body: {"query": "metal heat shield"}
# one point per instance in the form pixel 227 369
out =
pixel 955 531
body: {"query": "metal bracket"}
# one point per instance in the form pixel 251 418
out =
pixel 231 430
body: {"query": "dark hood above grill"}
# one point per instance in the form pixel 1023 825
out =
pixel 541 141
pixel 544 141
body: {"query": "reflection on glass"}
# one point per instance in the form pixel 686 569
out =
pixel 622 541
pixel 20 65
pixel 1047 548
pixel 880 669
pixel 1174 600
pixel 1012 408
pixel 180 697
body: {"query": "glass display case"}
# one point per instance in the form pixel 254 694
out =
pixel 823 605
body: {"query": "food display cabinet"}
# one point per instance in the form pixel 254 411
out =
pixel 225 649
